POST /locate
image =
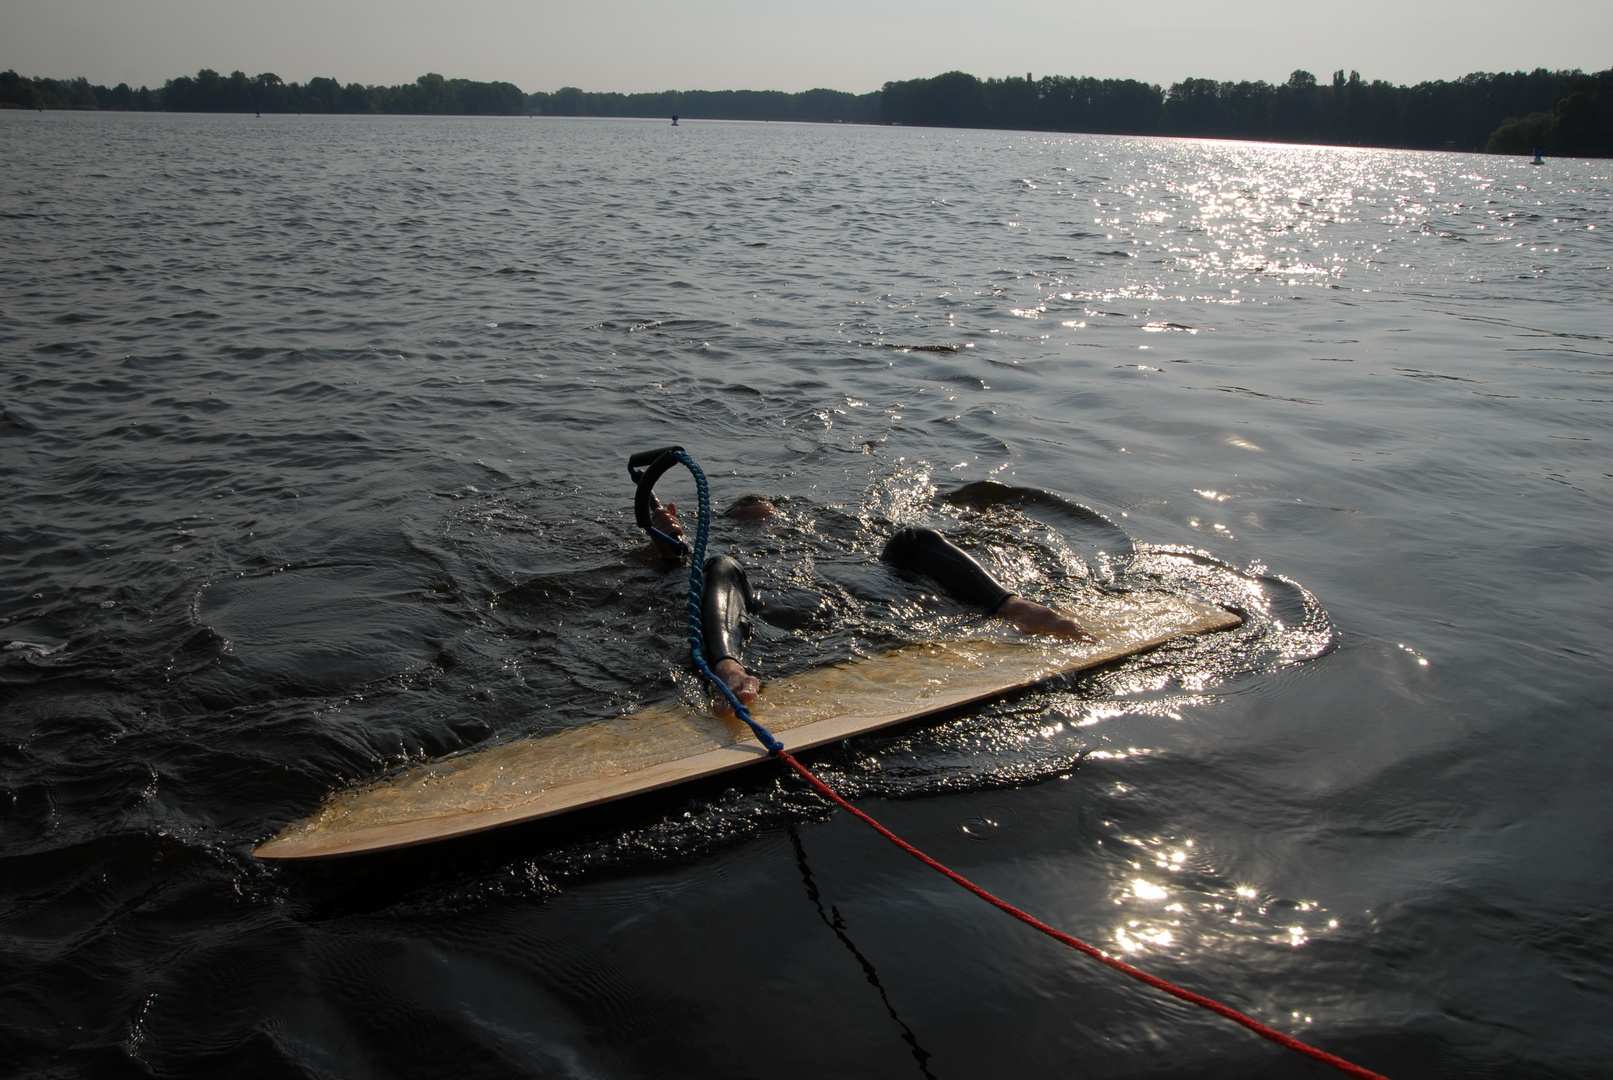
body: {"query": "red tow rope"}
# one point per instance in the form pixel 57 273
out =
pixel 1346 1067
pixel 663 459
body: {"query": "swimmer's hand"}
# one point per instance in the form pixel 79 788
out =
pixel 665 518
pixel 1030 617
pixel 744 686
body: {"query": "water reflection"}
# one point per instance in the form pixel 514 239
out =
pixel 453 417
pixel 1194 908
pixel 837 925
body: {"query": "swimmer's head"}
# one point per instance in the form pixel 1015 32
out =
pixel 749 508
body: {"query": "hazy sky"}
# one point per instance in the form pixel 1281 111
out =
pixel 855 45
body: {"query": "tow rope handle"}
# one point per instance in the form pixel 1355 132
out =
pixel 645 469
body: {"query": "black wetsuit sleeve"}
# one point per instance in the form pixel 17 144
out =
pixel 927 552
pixel 723 606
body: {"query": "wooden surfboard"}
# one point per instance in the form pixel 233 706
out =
pixel 672 742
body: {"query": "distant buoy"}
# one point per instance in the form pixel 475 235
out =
pixel 1540 156
pixel 674 121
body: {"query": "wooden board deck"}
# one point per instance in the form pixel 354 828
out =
pixel 672 742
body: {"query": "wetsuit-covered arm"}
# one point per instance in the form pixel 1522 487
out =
pixel 927 552
pixel 723 606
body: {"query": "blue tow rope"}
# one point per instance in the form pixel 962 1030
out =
pixel 697 589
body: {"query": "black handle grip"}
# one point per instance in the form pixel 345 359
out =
pixel 636 463
pixel 644 499
pixel 646 468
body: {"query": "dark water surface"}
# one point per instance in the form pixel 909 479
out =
pixel 313 444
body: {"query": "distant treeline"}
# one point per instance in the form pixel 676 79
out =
pixel 236 93
pixel 1567 111
pixel 1562 112
pixel 1578 124
pixel 818 106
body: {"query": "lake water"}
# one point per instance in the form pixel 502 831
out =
pixel 313 446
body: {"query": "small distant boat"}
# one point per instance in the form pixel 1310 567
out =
pixel 1540 154
pixel 674 121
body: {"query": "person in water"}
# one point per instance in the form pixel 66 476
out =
pixel 728 599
